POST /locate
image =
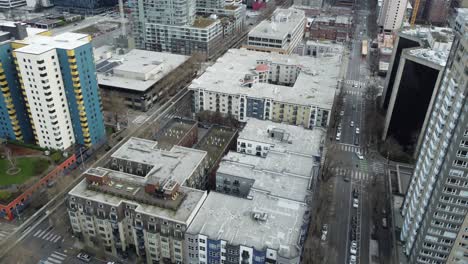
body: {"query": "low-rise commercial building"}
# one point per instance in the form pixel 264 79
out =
pixel 281 34
pixel 142 201
pixel 140 77
pixel 325 27
pixel 316 48
pixel 282 88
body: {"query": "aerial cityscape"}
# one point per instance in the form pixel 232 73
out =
pixel 233 131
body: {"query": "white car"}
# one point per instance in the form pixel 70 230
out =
pixel 359 155
pixel 342 113
pixel 84 257
pixel 351 124
pixel 352 259
pixel 353 249
pixel 357 130
pixel 355 203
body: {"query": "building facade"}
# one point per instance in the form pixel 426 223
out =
pixel 141 203
pixel 10 4
pixel 185 27
pixel 58 84
pixel 435 207
pixel 392 14
pixel 270 86
pixel 282 34
pixel 418 73
pixel 335 28
pixel 14 120
pixel 85 6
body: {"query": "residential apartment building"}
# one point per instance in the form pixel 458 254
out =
pixel 435 207
pixel 271 86
pixel 281 34
pixel 185 26
pixel 142 201
pixel 417 73
pixel 10 4
pixel 56 76
pixel 335 28
pixel 258 137
pixel 263 194
pixel 391 15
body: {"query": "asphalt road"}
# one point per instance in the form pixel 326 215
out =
pixel 359 172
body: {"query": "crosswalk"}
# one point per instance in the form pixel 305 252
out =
pixel 3 234
pixel 55 258
pixel 378 167
pixel 358 93
pixel 350 148
pixel 47 235
pixel 357 83
pixel 356 175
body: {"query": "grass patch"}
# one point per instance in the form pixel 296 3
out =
pixel 30 167
pixel 4 195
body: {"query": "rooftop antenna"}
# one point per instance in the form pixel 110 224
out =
pixel 122 17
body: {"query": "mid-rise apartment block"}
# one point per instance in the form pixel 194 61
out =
pixel 258 137
pixel 56 76
pixel 85 6
pixel 263 195
pixel 435 208
pixel 282 88
pixel 185 26
pixel 281 34
pixel 416 72
pixel 141 202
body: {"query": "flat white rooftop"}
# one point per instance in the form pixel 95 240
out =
pixel 272 174
pixel 295 138
pixel 38 44
pixel 176 164
pixel 315 85
pixel 137 70
pixel 282 23
pixel 233 220
pixel 437 57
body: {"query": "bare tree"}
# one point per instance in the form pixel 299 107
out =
pixel 115 104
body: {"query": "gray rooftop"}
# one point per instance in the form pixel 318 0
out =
pixel 186 208
pixel 315 85
pixel 437 57
pixel 136 70
pixel 273 174
pixel 233 221
pixel 282 23
pixel 176 164
pixel 297 139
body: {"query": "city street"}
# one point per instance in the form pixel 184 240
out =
pixel 355 177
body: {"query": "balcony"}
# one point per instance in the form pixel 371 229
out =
pixel 70 53
pixel 5 89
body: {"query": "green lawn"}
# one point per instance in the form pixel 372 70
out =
pixel 29 167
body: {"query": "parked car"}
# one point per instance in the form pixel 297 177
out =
pixel 355 203
pixel 351 124
pixel 84 257
pixel 352 259
pixel 355 193
pixel 342 113
pixel 353 249
pixel 384 222
pixel 357 130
